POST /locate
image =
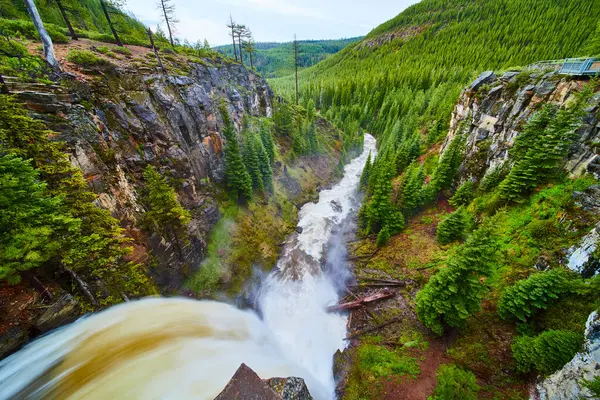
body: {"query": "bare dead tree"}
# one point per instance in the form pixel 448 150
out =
pixel 63 12
pixel 296 49
pixel 232 26
pixel 160 64
pixel 168 10
pixel 46 40
pixel 106 4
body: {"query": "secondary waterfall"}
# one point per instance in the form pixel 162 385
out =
pixel 179 348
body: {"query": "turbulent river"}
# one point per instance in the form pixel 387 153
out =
pixel 181 349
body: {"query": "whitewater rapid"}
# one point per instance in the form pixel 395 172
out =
pixel 180 348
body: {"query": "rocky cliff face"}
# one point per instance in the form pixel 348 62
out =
pixel 491 113
pixel 117 124
pixel 566 384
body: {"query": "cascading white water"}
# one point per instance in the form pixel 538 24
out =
pixel 179 348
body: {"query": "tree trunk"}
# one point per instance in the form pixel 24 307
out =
pixel 162 3
pixel 83 287
pixel 3 87
pixel 46 40
pixel 296 67
pixel 112 28
pixel 233 38
pixel 251 61
pixel 240 44
pixel 66 18
pixel 160 64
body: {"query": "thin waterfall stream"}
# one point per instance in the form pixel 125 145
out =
pixel 162 348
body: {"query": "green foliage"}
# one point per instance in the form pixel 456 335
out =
pixel 365 176
pixel 493 178
pixel 540 150
pixel 86 58
pixel 383 237
pixel 522 300
pixel 33 223
pixel 547 352
pixel 452 227
pixel 448 166
pixel 252 162
pixel 97 247
pixel 593 386
pixel 455 292
pixel 274 60
pixel 267 140
pixel 379 212
pixel 165 214
pixel 409 192
pixel 454 383
pixel 463 195
pixel 377 361
pixel 237 177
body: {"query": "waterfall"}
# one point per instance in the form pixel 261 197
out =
pixel 161 348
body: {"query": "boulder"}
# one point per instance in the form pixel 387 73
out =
pixel 247 385
pixel 290 388
pixel 485 78
pixel 64 310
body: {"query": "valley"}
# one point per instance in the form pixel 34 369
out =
pixel 412 215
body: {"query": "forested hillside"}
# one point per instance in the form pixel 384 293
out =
pixel 275 60
pixel 86 16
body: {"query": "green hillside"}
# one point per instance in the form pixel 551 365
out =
pixel 86 17
pixel 275 60
pixel 411 68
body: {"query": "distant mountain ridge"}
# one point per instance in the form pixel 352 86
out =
pixel 274 59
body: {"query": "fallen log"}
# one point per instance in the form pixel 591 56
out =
pixel 377 285
pixel 373 329
pixel 390 281
pixel 353 305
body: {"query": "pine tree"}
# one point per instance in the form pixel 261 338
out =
pixel 167 9
pixel 364 178
pixel 32 222
pixel 410 188
pixel 267 140
pixel 252 162
pixel 455 292
pixel 383 237
pixel 452 227
pixel 266 171
pixel 448 165
pixel 463 195
pixel 237 177
pixel 165 214
pixel 547 352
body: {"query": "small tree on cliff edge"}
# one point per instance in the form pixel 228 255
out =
pixel 165 214
pixel 237 177
pixel 167 8
pixel 44 36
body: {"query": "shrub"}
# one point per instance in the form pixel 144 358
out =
pixel 452 227
pixel 378 361
pixel 86 58
pixel 454 383
pixel 547 352
pixel 122 50
pixel 537 292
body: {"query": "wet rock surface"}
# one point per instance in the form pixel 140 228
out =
pixel 247 385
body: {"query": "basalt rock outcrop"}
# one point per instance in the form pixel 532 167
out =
pixel 491 113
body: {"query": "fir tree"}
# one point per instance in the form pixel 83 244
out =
pixel 252 162
pixel 448 166
pixel 455 292
pixel 463 195
pixel 410 188
pixel 267 141
pixel 547 352
pixel 383 237
pixel 364 177
pixel 165 214
pixel 32 222
pixel 266 171
pixel 452 227
pixel 237 177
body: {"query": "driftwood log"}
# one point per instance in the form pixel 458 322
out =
pixel 373 329
pixel 353 305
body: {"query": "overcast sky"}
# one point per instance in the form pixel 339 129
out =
pixel 273 20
